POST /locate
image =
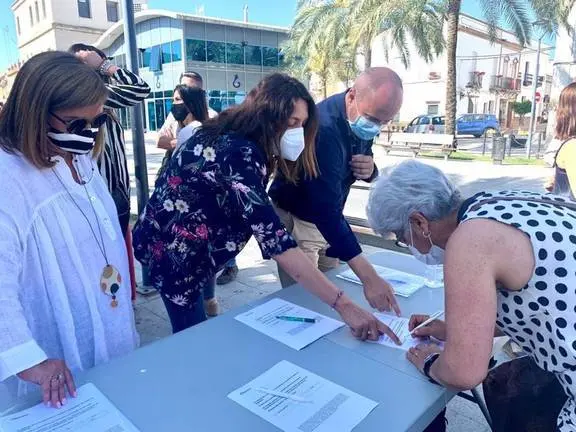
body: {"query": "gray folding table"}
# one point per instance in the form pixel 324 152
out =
pixel 180 383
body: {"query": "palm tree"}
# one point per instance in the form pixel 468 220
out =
pixel 360 21
pixel 326 62
pixel 516 14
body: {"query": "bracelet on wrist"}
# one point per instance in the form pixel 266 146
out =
pixel 335 303
pixel 428 362
pixel 103 68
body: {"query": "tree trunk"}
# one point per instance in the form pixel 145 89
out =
pixel 453 17
pixel 367 54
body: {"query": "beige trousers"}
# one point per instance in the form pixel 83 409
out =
pixel 310 241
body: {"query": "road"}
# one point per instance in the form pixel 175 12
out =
pixel 471 176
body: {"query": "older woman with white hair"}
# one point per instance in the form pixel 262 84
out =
pixel 509 260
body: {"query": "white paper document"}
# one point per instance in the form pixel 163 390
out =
pixel 312 404
pixel 404 284
pixel 296 335
pixel 399 326
pixel 91 411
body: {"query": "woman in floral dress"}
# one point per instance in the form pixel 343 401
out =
pixel 212 198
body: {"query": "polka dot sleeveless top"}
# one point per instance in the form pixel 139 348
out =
pixel 541 317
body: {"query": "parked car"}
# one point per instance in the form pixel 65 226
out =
pixel 477 124
pixel 426 124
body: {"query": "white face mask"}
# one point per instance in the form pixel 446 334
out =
pixel 435 255
pixel 292 144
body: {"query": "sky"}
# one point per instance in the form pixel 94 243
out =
pixel 272 12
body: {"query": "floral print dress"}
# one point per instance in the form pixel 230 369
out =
pixel 206 205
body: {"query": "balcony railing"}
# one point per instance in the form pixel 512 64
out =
pixel 505 83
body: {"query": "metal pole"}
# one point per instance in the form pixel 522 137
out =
pixel 141 170
pixel 534 90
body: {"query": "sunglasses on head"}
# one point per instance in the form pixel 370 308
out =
pixel 78 125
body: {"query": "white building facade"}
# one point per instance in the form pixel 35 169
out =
pixel 564 66
pixel 232 57
pixel 490 76
pixel 43 25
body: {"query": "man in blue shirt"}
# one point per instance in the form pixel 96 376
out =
pixel 313 209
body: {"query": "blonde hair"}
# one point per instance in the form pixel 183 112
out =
pixel 566 113
pixel 48 82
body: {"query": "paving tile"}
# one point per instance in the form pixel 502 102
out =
pixel 150 326
pixel 157 307
pixel 460 423
pixel 467 409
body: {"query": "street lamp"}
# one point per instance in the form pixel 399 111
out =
pixel 537 23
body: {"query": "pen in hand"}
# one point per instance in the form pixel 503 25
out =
pixel 433 317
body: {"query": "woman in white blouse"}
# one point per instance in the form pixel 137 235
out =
pixel 64 281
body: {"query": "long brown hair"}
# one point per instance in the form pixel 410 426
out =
pixel 194 99
pixel 263 118
pixel 566 113
pixel 48 82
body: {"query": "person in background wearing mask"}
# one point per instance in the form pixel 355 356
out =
pixel 190 110
pixel 212 198
pixel 167 140
pixel 312 210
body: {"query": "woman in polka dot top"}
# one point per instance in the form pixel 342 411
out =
pixel 509 262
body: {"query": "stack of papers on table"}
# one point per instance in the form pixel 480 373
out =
pixel 296 400
pixel 404 284
pixel 91 411
pixel 296 335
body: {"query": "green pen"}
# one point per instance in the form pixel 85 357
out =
pixel 298 319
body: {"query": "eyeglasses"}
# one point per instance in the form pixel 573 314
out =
pixel 78 125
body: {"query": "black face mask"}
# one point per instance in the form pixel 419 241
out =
pixel 179 111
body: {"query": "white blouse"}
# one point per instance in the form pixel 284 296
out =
pixel 51 305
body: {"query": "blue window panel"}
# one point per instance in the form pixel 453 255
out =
pixel 196 50
pixel 166 54
pixel 156 59
pixel 270 56
pixel 216 52
pixel 177 50
pixel 151 116
pixel 254 55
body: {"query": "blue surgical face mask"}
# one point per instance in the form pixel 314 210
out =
pixel 363 128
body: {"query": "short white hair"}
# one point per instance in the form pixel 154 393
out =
pixel 407 188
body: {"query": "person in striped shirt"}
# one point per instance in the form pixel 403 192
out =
pixel 125 89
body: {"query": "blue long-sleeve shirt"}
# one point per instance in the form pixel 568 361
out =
pixel 321 200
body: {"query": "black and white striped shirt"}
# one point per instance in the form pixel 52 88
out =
pixel 126 90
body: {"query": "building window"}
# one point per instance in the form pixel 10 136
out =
pixel 84 9
pixel 433 109
pixel 112 11
pixel 196 50
pixel 234 54
pixel 216 52
pixel 166 56
pixel 270 56
pixel 44 9
pixel 177 50
pixel 254 55
pixel 156 59
pixel 37 11
pixel 31 16
pixel 146 57
pixel 18 25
